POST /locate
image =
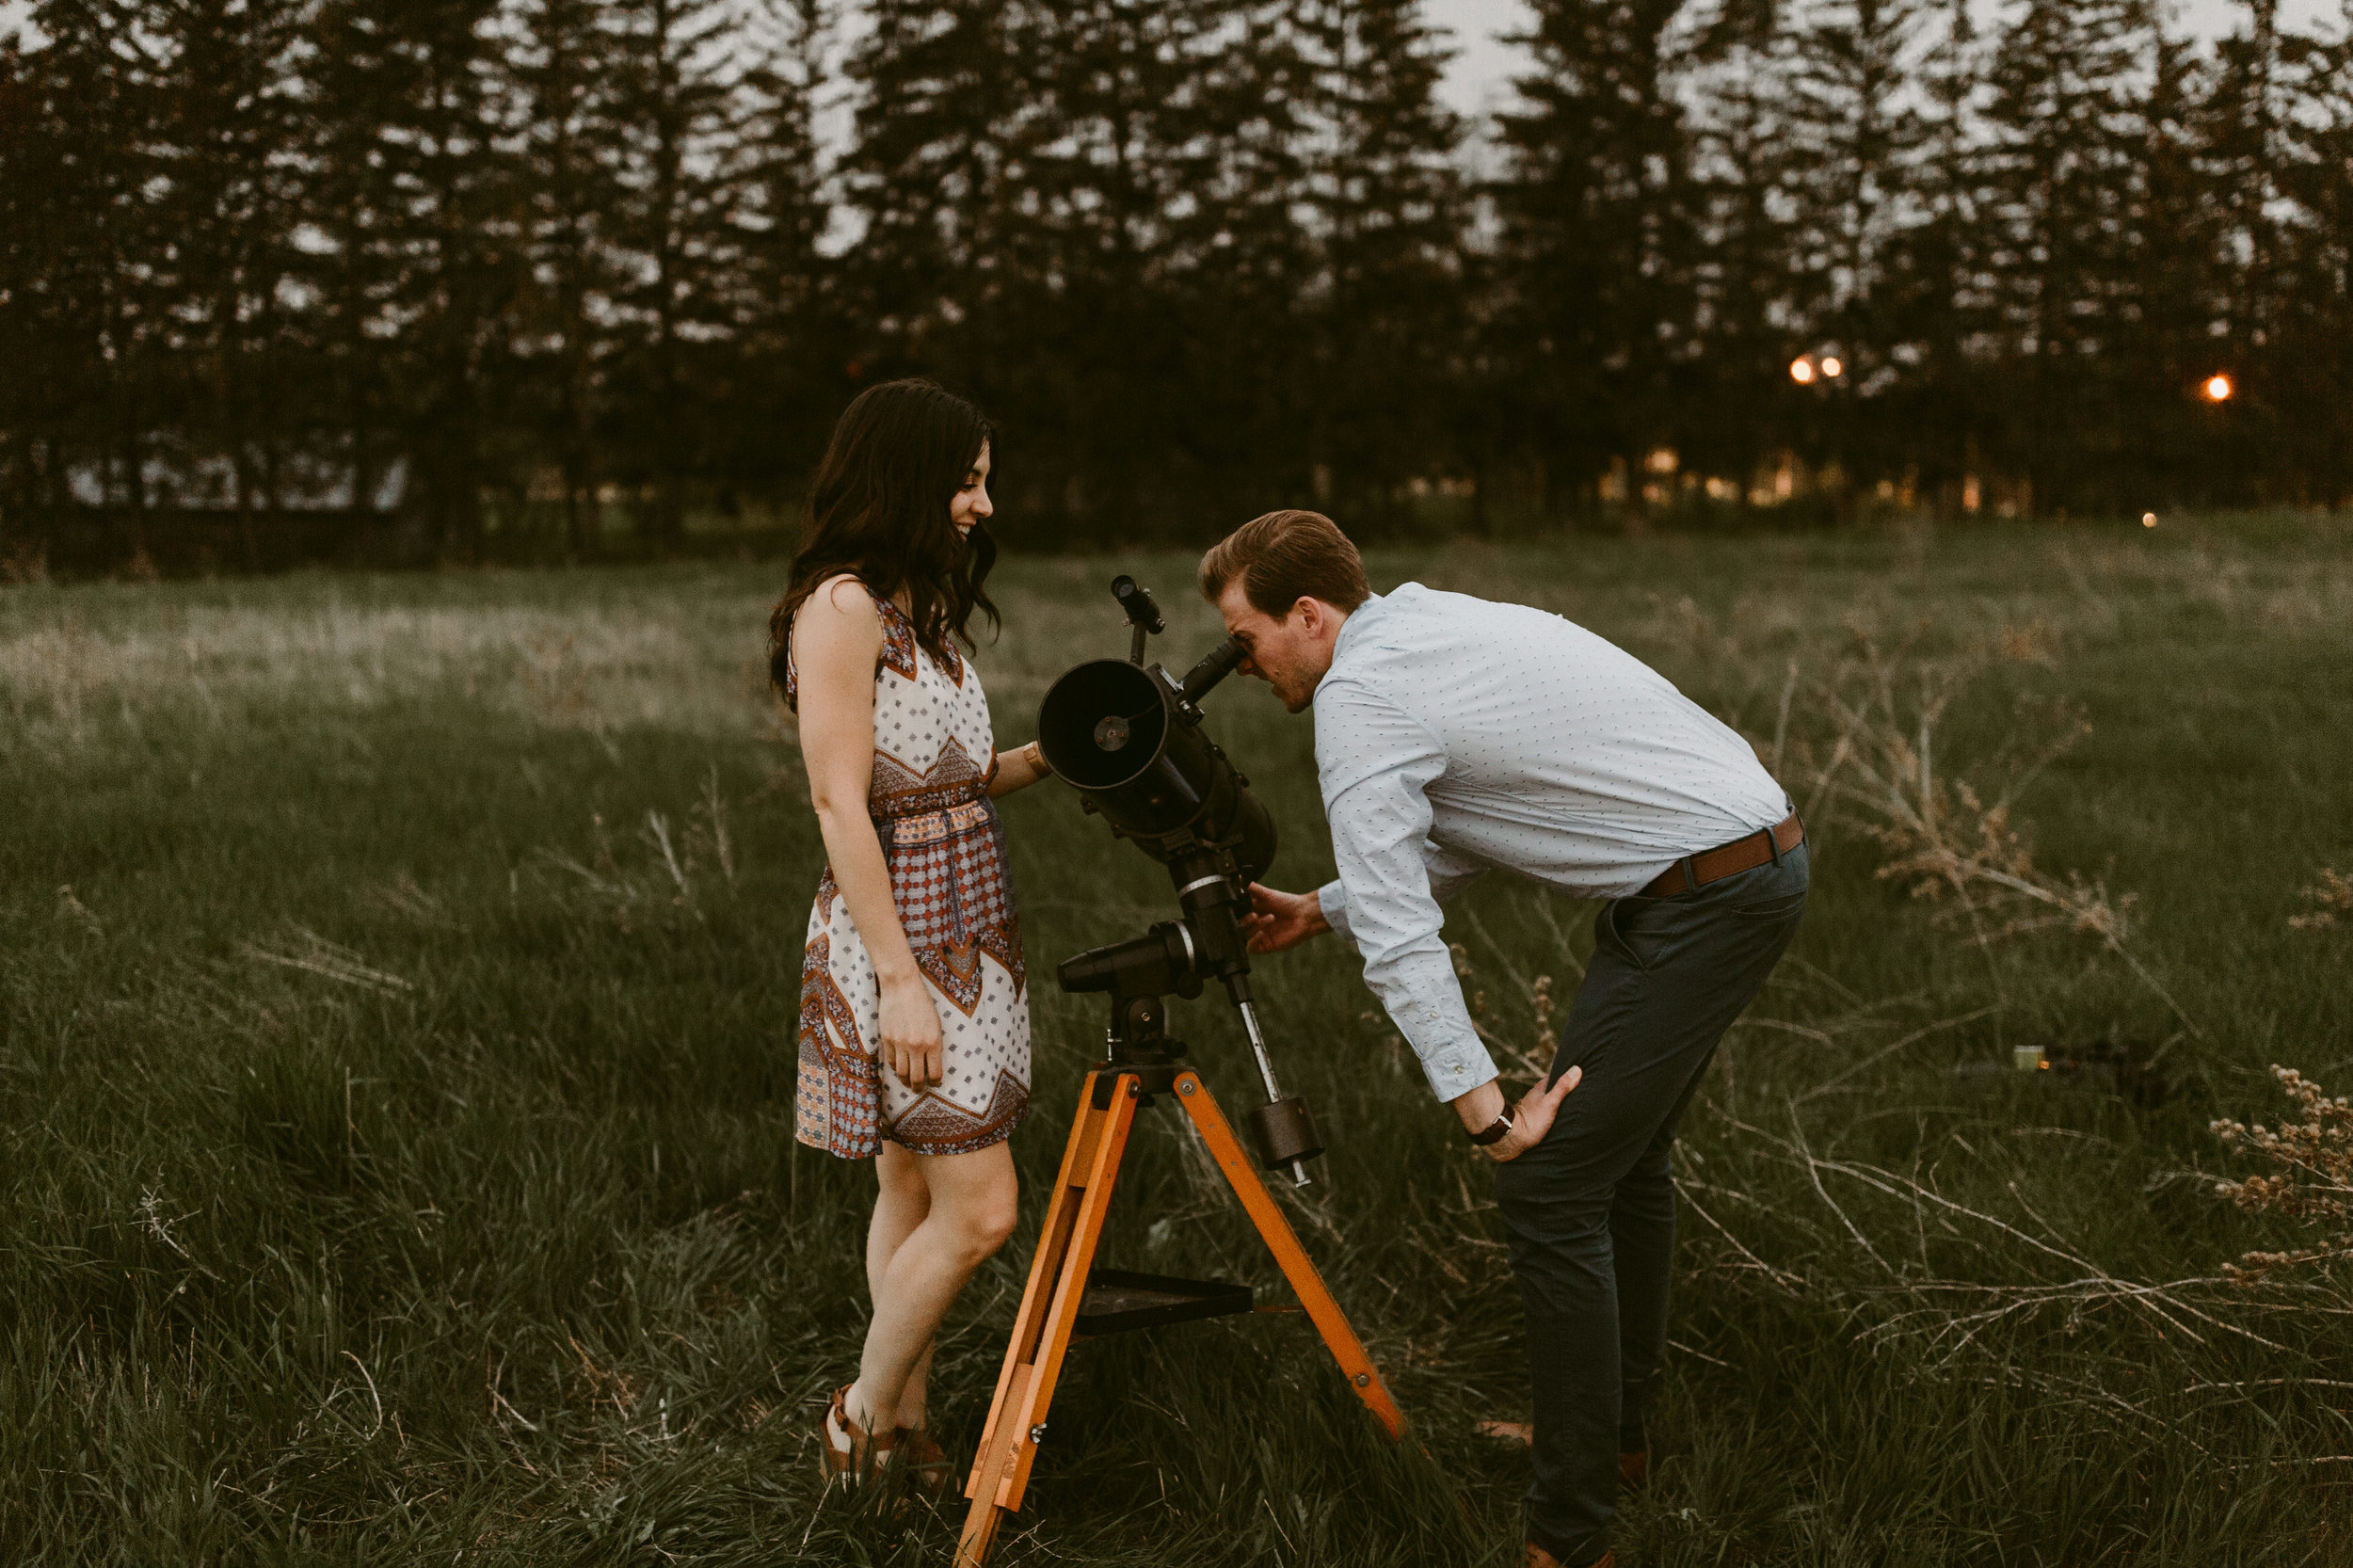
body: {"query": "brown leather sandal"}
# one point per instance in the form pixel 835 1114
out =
pixel 850 1451
pixel 927 1463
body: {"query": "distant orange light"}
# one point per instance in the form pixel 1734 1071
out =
pixel 1802 371
pixel 1831 365
pixel 2218 389
pixel 2148 519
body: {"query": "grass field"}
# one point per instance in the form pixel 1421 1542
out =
pixel 396 1076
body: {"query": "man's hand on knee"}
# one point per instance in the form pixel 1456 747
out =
pixel 1279 920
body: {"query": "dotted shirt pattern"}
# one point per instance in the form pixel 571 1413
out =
pixel 1456 734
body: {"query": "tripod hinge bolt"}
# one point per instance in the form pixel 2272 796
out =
pixel 1186 1087
pixel 1364 1380
pixel 1037 1432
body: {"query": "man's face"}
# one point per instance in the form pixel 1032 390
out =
pixel 1291 654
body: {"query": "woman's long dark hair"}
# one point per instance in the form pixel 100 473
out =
pixel 879 512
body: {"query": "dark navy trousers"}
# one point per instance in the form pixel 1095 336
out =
pixel 1591 1211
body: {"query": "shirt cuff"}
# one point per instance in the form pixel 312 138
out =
pixel 1332 899
pixel 1454 1062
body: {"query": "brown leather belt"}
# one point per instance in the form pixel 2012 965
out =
pixel 1742 854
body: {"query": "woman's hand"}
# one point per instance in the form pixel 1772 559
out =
pixel 911 1042
pixel 1279 920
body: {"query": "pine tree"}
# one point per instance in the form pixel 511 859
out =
pixel 2307 369
pixel 566 62
pixel 1382 388
pixel 1855 135
pixel 926 175
pixel 789 345
pixel 424 214
pixel 98 318
pixel 2063 171
pixel 1596 307
pixel 222 151
pixel 1744 275
pixel 1159 161
pixel 1936 304
pixel 681 228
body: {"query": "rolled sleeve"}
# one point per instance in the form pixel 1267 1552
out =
pixel 1377 763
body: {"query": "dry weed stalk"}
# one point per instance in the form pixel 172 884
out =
pixel 1942 836
pixel 2312 1176
pixel 671 881
pixel 312 953
pixel 2332 900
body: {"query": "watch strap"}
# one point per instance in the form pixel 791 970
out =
pixel 1494 1131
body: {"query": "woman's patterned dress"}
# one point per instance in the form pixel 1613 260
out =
pixel 934 755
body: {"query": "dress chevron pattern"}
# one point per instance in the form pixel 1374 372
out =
pixel 933 753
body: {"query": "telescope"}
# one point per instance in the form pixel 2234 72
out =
pixel 1129 738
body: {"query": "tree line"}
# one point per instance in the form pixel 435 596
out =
pixel 527 263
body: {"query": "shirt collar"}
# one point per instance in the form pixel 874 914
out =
pixel 1353 631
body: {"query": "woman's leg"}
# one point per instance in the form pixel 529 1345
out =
pixel 901 1204
pixel 970 1212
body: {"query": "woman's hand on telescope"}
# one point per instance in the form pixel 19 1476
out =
pixel 1279 920
pixel 911 1041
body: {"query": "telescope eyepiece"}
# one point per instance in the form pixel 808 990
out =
pixel 1215 666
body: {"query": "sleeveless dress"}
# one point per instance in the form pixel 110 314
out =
pixel 933 757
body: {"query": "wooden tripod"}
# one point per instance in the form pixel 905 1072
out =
pixel 1050 1305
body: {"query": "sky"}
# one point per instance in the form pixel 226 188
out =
pixel 1478 80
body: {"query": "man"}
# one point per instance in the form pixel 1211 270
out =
pixel 1452 735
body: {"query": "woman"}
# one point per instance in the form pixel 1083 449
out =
pixel 915 1029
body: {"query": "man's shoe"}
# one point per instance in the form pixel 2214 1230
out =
pixel 1539 1557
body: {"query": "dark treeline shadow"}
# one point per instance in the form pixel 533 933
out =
pixel 416 281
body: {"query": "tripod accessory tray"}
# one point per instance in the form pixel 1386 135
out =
pixel 1117 1300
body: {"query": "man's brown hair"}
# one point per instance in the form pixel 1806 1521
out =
pixel 1283 557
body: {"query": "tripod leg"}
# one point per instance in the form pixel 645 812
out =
pixel 1049 1311
pixel 1322 1310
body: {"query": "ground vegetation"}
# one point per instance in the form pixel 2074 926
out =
pixel 397 984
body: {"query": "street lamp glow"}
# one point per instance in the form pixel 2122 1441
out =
pixel 1831 365
pixel 2218 389
pixel 1801 371
pixel 2148 519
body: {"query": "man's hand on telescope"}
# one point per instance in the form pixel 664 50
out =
pixel 1530 1119
pixel 911 1041
pixel 1279 920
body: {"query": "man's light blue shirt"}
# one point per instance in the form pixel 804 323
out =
pixel 1455 734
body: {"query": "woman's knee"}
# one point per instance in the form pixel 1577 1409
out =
pixel 992 1226
pixel 982 1202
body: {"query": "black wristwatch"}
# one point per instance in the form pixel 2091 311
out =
pixel 1495 1131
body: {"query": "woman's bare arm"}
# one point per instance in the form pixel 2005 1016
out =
pixel 836 636
pixel 1019 769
